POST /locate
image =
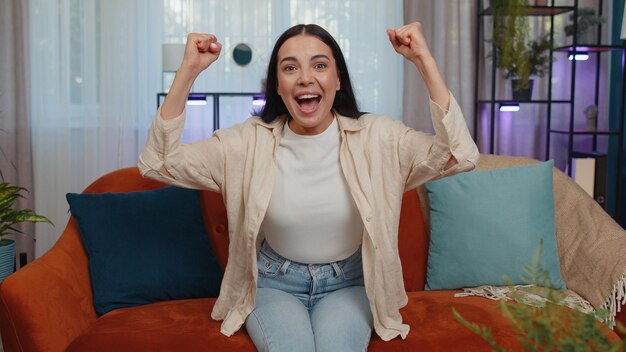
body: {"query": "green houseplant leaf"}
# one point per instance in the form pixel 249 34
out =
pixel 9 215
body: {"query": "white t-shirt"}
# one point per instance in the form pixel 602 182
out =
pixel 311 217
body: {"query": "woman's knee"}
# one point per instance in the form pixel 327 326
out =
pixel 279 322
pixel 342 320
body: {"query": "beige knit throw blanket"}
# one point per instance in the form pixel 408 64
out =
pixel 591 245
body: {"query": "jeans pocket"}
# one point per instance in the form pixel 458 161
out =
pixel 268 265
pixel 352 268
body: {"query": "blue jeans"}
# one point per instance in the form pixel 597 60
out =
pixel 309 307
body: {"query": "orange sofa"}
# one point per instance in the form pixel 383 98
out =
pixel 47 305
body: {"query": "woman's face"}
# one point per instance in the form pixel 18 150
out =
pixel 307 83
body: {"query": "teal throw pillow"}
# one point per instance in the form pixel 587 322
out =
pixel 488 224
pixel 145 247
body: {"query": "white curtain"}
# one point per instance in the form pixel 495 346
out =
pixel 449 28
pixel 96 70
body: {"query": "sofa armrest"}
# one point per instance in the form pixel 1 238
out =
pixel 47 303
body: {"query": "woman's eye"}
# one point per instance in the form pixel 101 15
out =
pixel 320 66
pixel 289 68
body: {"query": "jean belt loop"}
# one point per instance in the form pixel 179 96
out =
pixel 283 268
pixel 335 266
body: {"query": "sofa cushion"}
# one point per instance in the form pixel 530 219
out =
pixel 488 224
pixel 434 328
pixel 145 246
pixel 186 325
pixel 182 325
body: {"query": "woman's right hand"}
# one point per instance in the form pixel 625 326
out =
pixel 201 51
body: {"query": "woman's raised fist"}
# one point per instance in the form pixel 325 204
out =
pixel 201 51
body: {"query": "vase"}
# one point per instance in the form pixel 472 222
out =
pixel 7 258
pixel 523 94
pixel 591 115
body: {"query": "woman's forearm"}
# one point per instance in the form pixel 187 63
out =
pixel 437 88
pixel 176 98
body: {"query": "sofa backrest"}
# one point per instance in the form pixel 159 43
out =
pixel 413 240
pixel 412 237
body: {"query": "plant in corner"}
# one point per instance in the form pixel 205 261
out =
pixel 546 325
pixel 586 19
pixel 9 217
pixel 519 57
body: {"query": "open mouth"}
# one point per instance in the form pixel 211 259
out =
pixel 308 103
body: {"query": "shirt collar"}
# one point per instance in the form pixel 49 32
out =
pixel 349 123
pixel 276 126
pixel 345 123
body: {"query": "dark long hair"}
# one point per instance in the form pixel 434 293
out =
pixel 345 102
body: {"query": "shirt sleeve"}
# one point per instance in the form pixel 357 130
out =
pixel 424 156
pixel 197 165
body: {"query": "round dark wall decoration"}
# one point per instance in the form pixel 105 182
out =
pixel 242 54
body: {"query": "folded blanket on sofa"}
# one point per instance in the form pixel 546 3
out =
pixel 530 295
pixel 591 245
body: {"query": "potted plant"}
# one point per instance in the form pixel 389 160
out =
pixel 524 62
pixel 586 19
pixel 9 217
pixel 519 57
pixel 539 321
pixel 549 328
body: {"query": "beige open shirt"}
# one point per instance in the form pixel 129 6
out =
pixel 380 157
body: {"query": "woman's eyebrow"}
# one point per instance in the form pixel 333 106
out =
pixel 288 58
pixel 320 56
pixel 314 57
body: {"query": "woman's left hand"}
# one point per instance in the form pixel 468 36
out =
pixel 409 41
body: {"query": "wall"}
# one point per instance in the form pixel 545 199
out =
pixel 617 101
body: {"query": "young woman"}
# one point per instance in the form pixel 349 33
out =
pixel 313 191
